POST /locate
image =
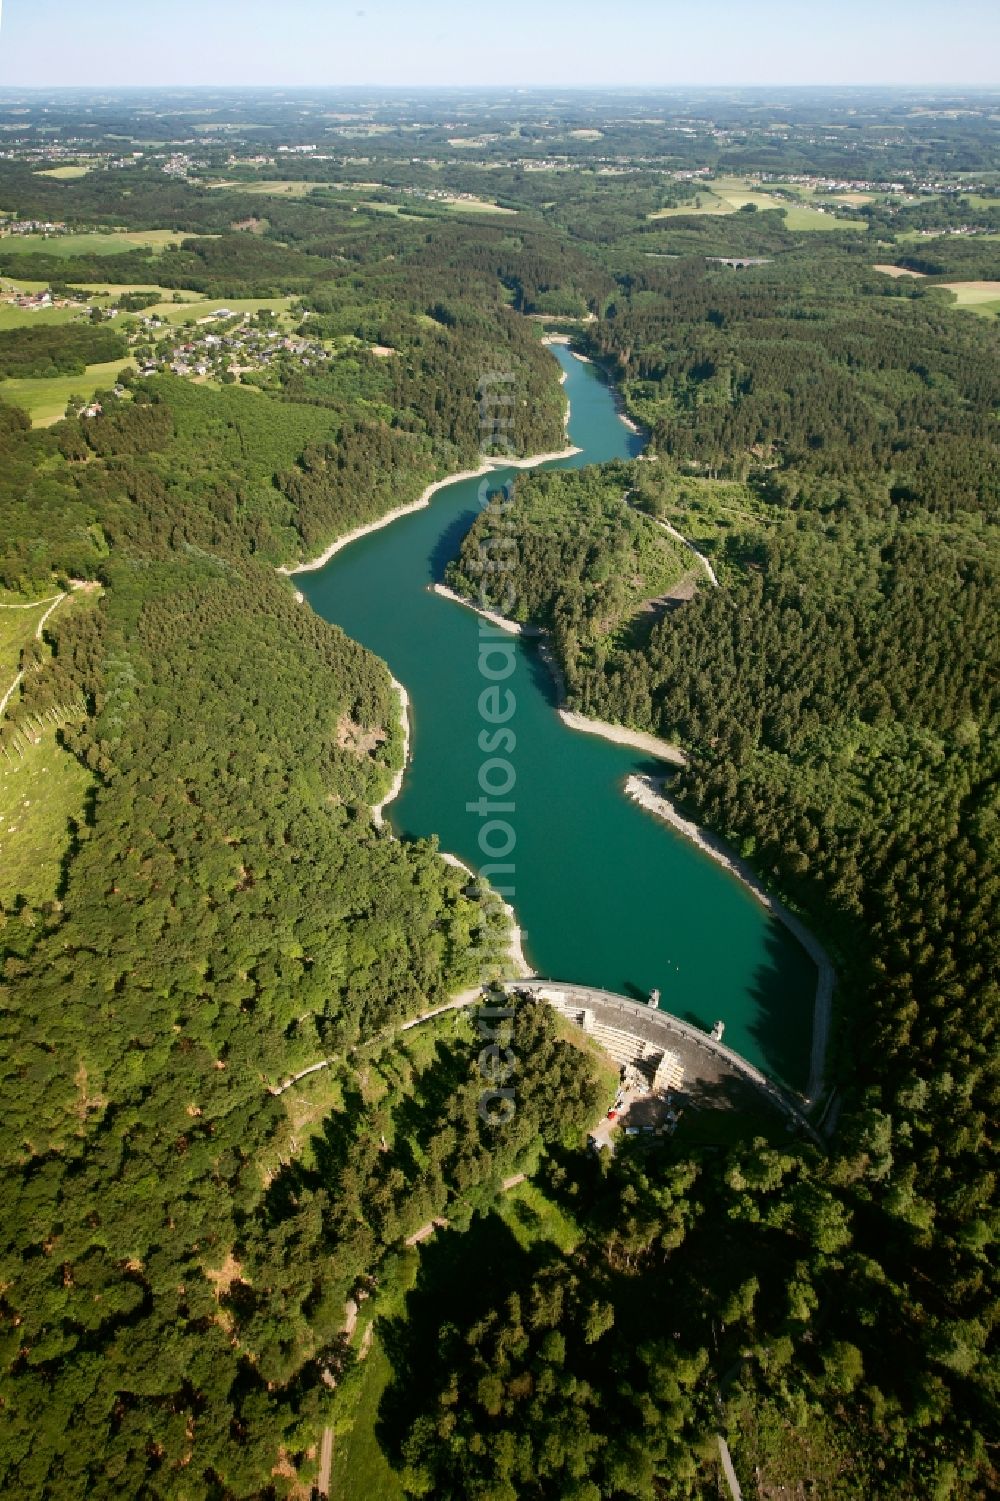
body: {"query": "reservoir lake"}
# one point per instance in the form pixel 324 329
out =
pixel 606 894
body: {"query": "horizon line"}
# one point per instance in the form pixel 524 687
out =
pixel 497 87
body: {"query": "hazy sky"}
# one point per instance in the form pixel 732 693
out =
pixel 98 42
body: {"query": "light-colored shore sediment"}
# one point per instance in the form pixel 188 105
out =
pixel 512 627
pixel 535 459
pixel 644 791
pixel 621 735
pixel 378 809
pixel 515 950
pixel 380 521
pixel 424 499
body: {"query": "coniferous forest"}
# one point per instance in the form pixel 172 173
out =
pixel 217 1140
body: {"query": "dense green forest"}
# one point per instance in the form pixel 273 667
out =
pixel 585 559
pixel 837 698
pixel 181 1233
pixel 57 351
pixel 227 915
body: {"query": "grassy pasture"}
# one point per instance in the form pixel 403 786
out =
pixel 17 628
pixel 727 195
pixel 800 216
pixel 66 247
pixel 272 187
pixel 63 174
pixel 475 205
pixel 178 313
pixel 982 297
pixel 360 1470
pixel 45 400
pixel 42 786
pixel 39 795
pixel 897 271
pixel 22 317
pixel 20 285
pixel 109 291
pixel 531 1217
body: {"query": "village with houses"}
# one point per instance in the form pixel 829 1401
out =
pixel 223 345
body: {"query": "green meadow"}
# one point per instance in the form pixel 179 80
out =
pixel 41 791
pixel 42 786
pixel 64 174
pixel 274 188
pixel 45 400
pixel 982 297
pixel 67 247
pixel 22 317
pixel 727 195
pixel 17 627
pixel 179 313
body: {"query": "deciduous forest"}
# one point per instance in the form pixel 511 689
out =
pixel 183 1226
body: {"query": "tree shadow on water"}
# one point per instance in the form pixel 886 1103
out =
pixel 446 547
pixel 783 990
pixel 542 676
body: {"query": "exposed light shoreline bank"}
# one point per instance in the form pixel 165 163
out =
pixel 515 950
pixel 619 734
pixel 378 809
pixel 645 792
pixel 424 499
pixel 512 627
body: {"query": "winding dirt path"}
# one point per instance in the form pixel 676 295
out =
pixel 53 602
pixel 679 537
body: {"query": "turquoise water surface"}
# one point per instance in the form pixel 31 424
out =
pixel 606 894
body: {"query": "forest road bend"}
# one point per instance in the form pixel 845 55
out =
pixel 464 998
pixel 680 537
pixel 53 603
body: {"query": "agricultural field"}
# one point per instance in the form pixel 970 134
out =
pixel 800 216
pixel 48 317
pixel 45 400
pixel 42 786
pixel 275 188
pixel 475 205
pixel 104 292
pixel 982 297
pixel 727 195
pixel 179 312
pixel 63 174
pixel 896 271
pixel 66 247
pixel 923 236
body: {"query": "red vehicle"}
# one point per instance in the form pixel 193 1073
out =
pixel 612 1115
